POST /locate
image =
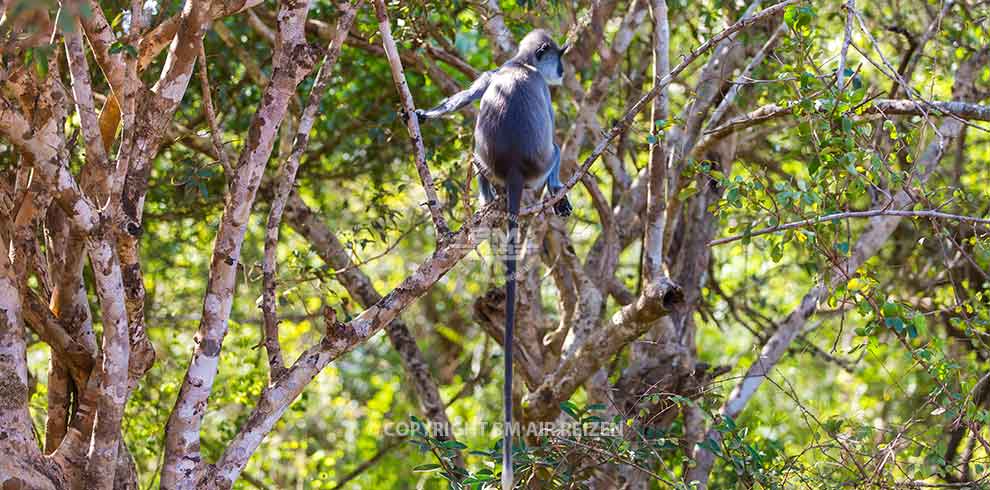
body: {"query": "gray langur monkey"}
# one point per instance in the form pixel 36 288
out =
pixel 513 142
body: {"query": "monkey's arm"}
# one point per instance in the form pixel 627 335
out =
pixel 460 99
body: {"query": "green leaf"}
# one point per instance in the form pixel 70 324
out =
pixel 711 445
pixel 127 49
pixel 847 124
pixel 569 408
pixel 688 191
pixel 895 323
pixel 453 445
pixel 920 324
pixel 777 252
pixel 891 309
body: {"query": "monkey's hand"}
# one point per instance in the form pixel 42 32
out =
pixel 562 208
pixel 422 115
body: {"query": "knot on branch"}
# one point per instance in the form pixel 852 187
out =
pixel 489 312
pixel 301 58
pixel 338 334
pixel 330 322
pixel 133 229
pixel 658 299
pixel 142 357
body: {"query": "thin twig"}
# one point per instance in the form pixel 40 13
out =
pixel 740 81
pixel 361 468
pixel 852 214
pixel 886 107
pixel 850 7
pixel 211 117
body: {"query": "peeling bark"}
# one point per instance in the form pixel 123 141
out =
pixel 15 423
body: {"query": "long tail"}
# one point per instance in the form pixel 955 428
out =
pixel 513 188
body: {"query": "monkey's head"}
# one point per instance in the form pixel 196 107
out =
pixel 538 49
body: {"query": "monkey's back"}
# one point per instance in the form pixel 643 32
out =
pixel 515 125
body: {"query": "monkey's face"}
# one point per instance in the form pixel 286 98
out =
pixel 549 60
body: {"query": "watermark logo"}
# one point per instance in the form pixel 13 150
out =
pixel 569 430
pixel 526 249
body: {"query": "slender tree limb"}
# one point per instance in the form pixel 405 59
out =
pixel 933 28
pixel 386 448
pixel 719 66
pixel 101 39
pixel 850 8
pixel 412 122
pixel 589 35
pixel 930 213
pixel 501 36
pixel 656 207
pixel 284 182
pixel 97 162
pixel 883 107
pixel 216 133
pixel 754 63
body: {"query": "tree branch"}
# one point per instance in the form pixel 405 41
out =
pixel 342 338
pixel 412 122
pixel 216 133
pixel 628 324
pixel 656 207
pixel 360 287
pixel 931 213
pixel 284 182
pixel 97 164
pixel 13 366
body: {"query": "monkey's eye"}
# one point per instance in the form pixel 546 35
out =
pixel 543 50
